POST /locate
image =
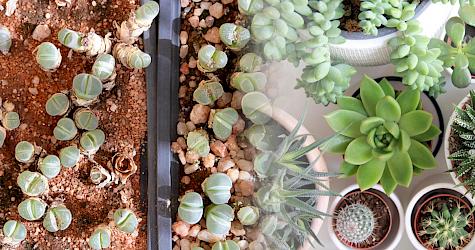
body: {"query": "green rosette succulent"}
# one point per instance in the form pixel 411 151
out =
pixel 219 218
pixel 383 135
pixel 191 208
pixel 218 188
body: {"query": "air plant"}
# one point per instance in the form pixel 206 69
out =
pixel 198 141
pixel 14 233
pixel 91 141
pixel 210 59
pixel 86 89
pixel 383 135
pixel 191 208
pixel 57 105
pixel 219 218
pixel 225 245
pixel 100 238
pixel 223 122
pixel 104 69
pixel 48 56
pixel 32 183
pixel 218 188
pixel 69 156
pixel 65 129
pixel 248 215
pixel 11 120
pixel 139 21
pixel 125 220
pixel 32 209
pixel 50 166
pixel 355 223
pixel 208 92
pixel 91 43
pixel 257 107
pixel 24 152
pixel 85 119
pixel 57 218
pixel 250 62
pixel 249 82
pixel 131 57
pixel 234 36
pixel 5 40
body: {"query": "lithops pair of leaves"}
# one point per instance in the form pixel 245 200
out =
pixel 198 142
pixel 25 152
pixel 90 43
pixel 210 59
pixel 131 57
pixel 249 82
pixel 104 69
pixel 32 183
pixel 191 208
pixel 48 56
pixel 10 121
pixel 14 233
pixel 86 89
pixel 248 215
pixel 69 156
pixel 140 21
pixel 257 107
pixel 234 36
pixel 57 218
pixel 5 40
pixel 208 92
pixel 223 122
pixel 90 141
pixel 124 219
pixel 218 188
pixel 219 218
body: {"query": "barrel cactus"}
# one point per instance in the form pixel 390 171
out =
pixel 355 223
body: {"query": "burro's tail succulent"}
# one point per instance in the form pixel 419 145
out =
pixel 355 223
pixel 383 135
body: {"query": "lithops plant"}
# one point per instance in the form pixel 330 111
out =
pixel 355 223
pixel 50 166
pixel 249 82
pixel 57 218
pixel 218 188
pixel 69 156
pixel 248 215
pixel 11 120
pixel 32 183
pixel 58 104
pixel 250 62
pixel 48 56
pixel 24 152
pixel 70 38
pixel 65 130
pixel 91 43
pixel 14 233
pixel 3 135
pixel 32 209
pixel 191 208
pixel 257 107
pixel 198 142
pixel 208 92
pixel 86 89
pixel 223 122
pixel 100 176
pixel 104 69
pixel 5 40
pixel 85 119
pixel 139 21
pixel 100 238
pixel 125 220
pixel 226 245
pixel 234 36
pixel 219 218
pixel 91 141
pixel 210 59
pixel 131 56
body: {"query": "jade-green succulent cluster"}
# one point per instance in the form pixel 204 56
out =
pixel 383 135
pixel 446 228
pixel 355 223
pixel 5 40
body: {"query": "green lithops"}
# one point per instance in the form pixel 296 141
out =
pixel 50 166
pixel 223 122
pixel 69 156
pixel 219 218
pixel 32 183
pixel 3 135
pixel 210 59
pixel 58 218
pixel 92 140
pixel 86 119
pixel 145 14
pixel 131 56
pixel 14 232
pixel 198 141
pixel 11 120
pixel 104 66
pixel 250 7
pixel 218 188
pixel 226 245
pixel 32 209
pixel 256 107
pixel 234 36
pixel 249 82
pixel 250 62
pixel 65 130
pixel 86 87
pixel 24 152
pixel 125 220
pixel 57 105
pixel 70 38
pixel 248 215
pixel 191 208
pixel 5 40
pixel 48 56
pixel 208 92
pixel 100 238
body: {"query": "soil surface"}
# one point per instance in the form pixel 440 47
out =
pixel 350 21
pixel 122 114
pixel 381 214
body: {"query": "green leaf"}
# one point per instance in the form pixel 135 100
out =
pixel 429 135
pixel 421 156
pixel 387 181
pixel 415 122
pixel 461 77
pixel 388 109
pixel 370 173
pixel 351 103
pixel 404 141
pixel 387 87
pixel 392 128
pixel 400 166
pixel 345 122
pixel 348 169
pixel 370 123
pixel 382 155
pixel 409 100
pixel 337 144
pixel 358 151
pixel 467 13
pixel 371 93
pixel 457 33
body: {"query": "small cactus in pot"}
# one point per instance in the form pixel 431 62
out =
pixel 355 223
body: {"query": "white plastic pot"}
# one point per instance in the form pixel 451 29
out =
pixel 395 233
pixel 410 209
pixel 364 50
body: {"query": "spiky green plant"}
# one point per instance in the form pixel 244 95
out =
pixel 355 223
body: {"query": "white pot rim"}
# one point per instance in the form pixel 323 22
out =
pixel 416 198
pixel 394 198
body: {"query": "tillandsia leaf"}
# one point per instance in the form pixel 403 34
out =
pixel 65 130
pixel 32 183
pixel 5 40
pixel 191 208
pixel 100 238
pixel 11 120
pixel 345 122
pixel 249 82
pixel 208 92
pixel 24 152
pixel 50 166
pixel 250 62
pixel 57 218
pixel 198 142
pixel 69 156
pixel 223 122
pixel 370 173
pixel 32 209
pixel 234 36
pixel 218 188
pixel 57 105
pixel 401 168
pixel 225 245
pixel 218 218
pixel 125 220
pixel 210 59
pixel 14 231
pixel 85 119
pixel 256 107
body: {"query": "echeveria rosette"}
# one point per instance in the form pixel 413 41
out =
pixel 382 135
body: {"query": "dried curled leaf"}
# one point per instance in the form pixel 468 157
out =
pixel 123 165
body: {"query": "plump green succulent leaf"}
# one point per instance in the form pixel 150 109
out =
pixel 421 156
pixel 358 151
pixel 87 87
pixel 404 141
pixel 198 142
pixel 401 168
pixel 104 66
pixel 345 122
pixel 50 166
pixel 57 104
pixel 248 215
pixel 191 208
pixel 58 218
pixel 467 13
pixel 234 36
pixel 125 220
pixel 415 122
pixel 48 56
pixel 250 62
pixel 100 238
pixel 32 183
pixel 408 100
pixel 455 29
pixel 70 38
pixel 218 188
pixel 32 209
pixel 429 135
pixel 387 181
pixel 210 59
pixel 11 120
pixel 387 88
pixel 370 123
pixel 3 135
pixel 337 144
pixel 388 109
pixel 69 156
pixel 223 122
pixel 208 92
pixel 352 104
pixel 256 107
pixel 145 14
pixel 249 82
pixel 347 169
pixel 370 173
pixel 461 77
pixel 65 129
pixel 85 119
pixel 24 151
pixel 218 218
pixel 92 140
pixel 371 93
pixel 14 231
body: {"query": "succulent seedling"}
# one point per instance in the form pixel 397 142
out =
pixel 100 238
pixel 191 208
pixel 58 218
pixel 131 56
pixel 24 152
pixel 65 129
pixel 248 215
pixel 70 38
pixel 145 14
pixel 125 220
pixel 198 141
pixel 218 188
pixel 100 176
pixel 11 120
pixel 129 31
pixel 50 166
pixel 264 137
pixel 234 36
pixel 218 218
pixel 32 209
pixel 91 43
pixel 210 59
pixel 14 232
pixel 256 107
pixel 92 140
pixel 57 105
pixel 85 119
pixel 86 89
pixel 208 92
pixel 249 82
pixel 3 135
pixel 69 156
pixel 104 69
pixel 5 40
pixel 32 183
pixel 250 62
pixel 48 56
pixel 355 223
pixel 223 121
pixel 226 245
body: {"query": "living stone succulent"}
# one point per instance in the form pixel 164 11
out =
pixel 24 152
pixel 131 56
pixel 14 233
pixel 355 223
pixel 210 59
pixel 100 238
pixel 225 245
pixel 248 215
pixel 383 135
pixel 57 105
pixel 91 43
pixel 11 120
pixel 234 36
pixel 92 140
pixel 191 208
pixel 223 122
pixel 86 89
pixel 57 218
pixel 100 176
pixel 3 135
pixel 48 56
pixel 32 209
pixel 249 82
pixel 125 220
pixel 32 183
pixel 69 156
pixel 70 38
pixel 104 69
pixel 198 141
pixel 218 188
pixel 129 31
pixel 208 92
pixel 85 119
pixel 250 62
pixel 5 40
pixel 50 166
pixel 219 218
pixel 257 107
pixel 65 130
